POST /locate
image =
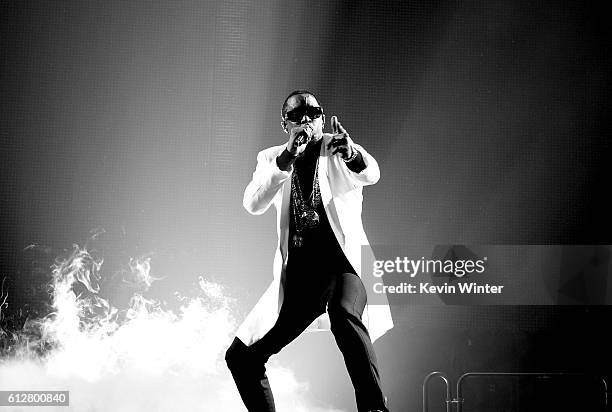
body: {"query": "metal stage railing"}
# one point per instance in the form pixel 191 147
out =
pixel 449 397
pixel 458 400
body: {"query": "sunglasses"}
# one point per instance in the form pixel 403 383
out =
pixel 297 114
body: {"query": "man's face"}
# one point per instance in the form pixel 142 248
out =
pixel 303 109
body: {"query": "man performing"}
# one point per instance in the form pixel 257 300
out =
pixel 315 182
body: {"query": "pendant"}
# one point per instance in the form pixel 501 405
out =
pixel 298 241
pixel 309 218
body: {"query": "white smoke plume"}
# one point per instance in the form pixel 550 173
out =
pixel 143 358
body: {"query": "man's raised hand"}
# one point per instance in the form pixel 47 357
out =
pixel 341 142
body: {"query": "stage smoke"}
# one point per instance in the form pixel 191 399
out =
pixel 143 358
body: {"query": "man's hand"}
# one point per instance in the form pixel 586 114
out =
pixel 341 142
pixel 298 139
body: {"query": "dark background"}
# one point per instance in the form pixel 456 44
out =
pixel 488 119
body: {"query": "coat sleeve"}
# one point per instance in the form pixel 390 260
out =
pixel 266 183
pixel 370 174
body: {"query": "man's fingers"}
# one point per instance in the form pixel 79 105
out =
pixel 339 142
pixel 335 142
pixel 339 128
pixel 344 150
pixel 340 139
pixel 334 124
pixel 339 150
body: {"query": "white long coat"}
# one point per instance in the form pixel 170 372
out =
pixel 341 194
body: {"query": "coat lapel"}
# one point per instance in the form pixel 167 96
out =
pixel 326 194
pixel 283 224
pixel 326 191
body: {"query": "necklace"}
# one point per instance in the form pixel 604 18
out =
pixel 305 216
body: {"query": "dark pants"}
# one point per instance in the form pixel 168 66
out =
pixel 345 298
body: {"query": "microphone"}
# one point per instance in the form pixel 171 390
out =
pixel 303 136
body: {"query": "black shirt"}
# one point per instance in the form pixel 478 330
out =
pixel 320 255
